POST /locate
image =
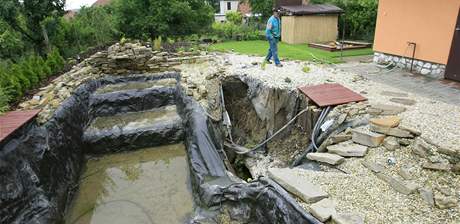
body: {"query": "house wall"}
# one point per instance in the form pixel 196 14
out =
pixel 308 29
pixel 223 6
pixel 428 23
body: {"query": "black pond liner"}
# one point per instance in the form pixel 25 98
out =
pixel 40 168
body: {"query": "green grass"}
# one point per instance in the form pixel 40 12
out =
pixel 287 51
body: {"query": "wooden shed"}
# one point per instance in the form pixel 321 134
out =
pixel 309 23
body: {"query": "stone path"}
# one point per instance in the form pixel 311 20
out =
pixel 446 91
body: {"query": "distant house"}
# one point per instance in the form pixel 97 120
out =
pixel 225 7
pixel 420 34
pixel 70 14
pixel 303 22
pixel 102 2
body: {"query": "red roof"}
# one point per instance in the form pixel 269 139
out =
pixel 102 2
pixel 244 7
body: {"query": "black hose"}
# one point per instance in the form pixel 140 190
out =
pixel 325 135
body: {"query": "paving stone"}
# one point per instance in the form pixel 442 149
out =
pixel 394 94
pixel 367 138
pixel 391 143
pixel 411 130
pixel 388 109
pixel 456 168
pixel 329 158
pixel 427 195
pixel 403 187
pixel 405 172
pixel 403 101
pixel 421 148
pixel 374 167
pixel 340 138
pixel 348 218
pixel 445 202
pixel 389 121
pixel 404 142
pixel 300 187
pixel 323 210
pixel 348 149
pixel 391 131
pixel 437 166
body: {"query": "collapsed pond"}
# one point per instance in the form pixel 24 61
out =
pixel 133 129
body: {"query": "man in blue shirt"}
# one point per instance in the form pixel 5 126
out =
pixel 273 34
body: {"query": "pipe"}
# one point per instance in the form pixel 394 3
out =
pixel 245 150
pixel 413 54
pixel 324 135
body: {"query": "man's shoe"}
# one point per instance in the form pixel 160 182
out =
pixel 268 62
pixel 279 65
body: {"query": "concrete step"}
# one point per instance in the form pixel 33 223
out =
pixel 134 130
pixel 132 96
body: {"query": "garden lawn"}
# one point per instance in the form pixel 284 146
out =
pixel 287 51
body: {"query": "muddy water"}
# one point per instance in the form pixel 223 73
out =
pixel 136 119
pixel 146 186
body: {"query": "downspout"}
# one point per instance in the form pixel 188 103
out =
pixel 413 54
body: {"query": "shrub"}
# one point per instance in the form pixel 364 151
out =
pixel 4 100
pixel 359 18
pixel 54 61
pixel 234 17
pixel 157 43
pixel 231 31
pixel 17 71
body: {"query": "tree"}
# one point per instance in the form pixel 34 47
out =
pixel 26 17
pixel 359 19
pixel 153 18
pixel 263 7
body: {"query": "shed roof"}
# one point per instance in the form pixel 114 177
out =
pixel 311 9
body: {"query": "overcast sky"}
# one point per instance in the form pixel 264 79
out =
pixel 75 4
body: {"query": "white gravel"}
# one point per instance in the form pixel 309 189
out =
pixel 438 121
pixel 361 191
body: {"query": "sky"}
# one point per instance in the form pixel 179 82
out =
pixel 76 4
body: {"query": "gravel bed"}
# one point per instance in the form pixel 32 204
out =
pixel 436 120
pixel 360 190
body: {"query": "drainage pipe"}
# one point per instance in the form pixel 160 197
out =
pixel 413 54
pixel 325 135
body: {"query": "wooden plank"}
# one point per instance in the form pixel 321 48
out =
pixel 330 94
pixel 12 121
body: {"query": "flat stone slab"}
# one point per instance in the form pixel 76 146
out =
pixel 348 218
pixel 323 210
pixel 437 166
pixel 374 167
pixel 403 101
pixel 348 149
pixel 300 187
pixel 391 143
pixel 394 94
pixel 384 109
pixel 340 138
pixel 403 187
pixel 397 132
pixel 367 138
pixel 329 158
pixel 389 121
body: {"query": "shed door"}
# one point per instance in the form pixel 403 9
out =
pixel 453 65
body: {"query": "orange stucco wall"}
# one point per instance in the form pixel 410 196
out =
pixel 429 23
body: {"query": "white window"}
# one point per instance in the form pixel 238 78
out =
pixel 229 6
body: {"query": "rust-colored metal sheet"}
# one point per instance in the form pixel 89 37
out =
pixel 12 121
pixel 330 94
